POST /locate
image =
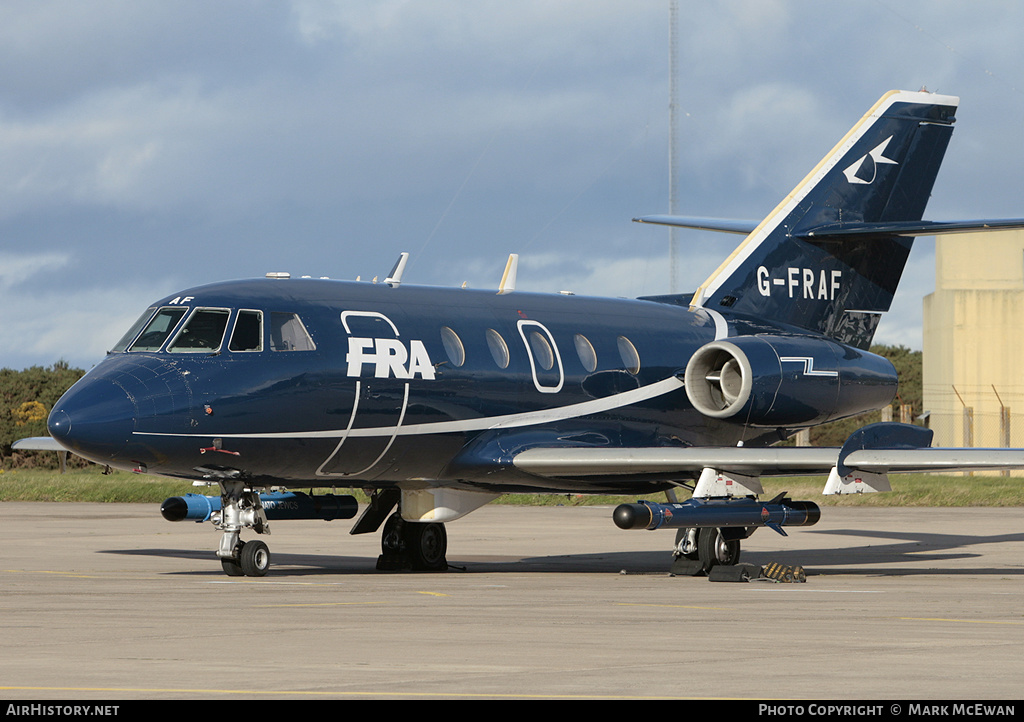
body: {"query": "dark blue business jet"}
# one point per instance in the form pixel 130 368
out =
pixel 438 400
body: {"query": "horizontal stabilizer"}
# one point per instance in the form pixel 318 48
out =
pixel 833 231
pixel 722 225
pixel 909 228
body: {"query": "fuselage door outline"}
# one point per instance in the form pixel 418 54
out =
pixel 545 337
pixel 345 316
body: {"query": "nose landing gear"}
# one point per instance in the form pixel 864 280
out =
pixel 241 508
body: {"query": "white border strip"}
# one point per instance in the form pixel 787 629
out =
pixel 508 421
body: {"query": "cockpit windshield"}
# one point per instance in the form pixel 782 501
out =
pixel 203 332
pixel 158 329
pixel 133 331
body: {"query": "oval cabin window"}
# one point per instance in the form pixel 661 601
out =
pixel 453 346
pixel 630 357
pixel 498 348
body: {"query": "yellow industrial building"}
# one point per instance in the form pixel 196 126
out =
pixel 974 340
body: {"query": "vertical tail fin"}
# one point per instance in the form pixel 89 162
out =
pixel 797 268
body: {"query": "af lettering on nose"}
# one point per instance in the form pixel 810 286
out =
pixel 389 358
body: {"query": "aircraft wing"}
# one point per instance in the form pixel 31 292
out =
pixel 860 465
pixel 37 443
pixel 772 461
pixel 572 462
pixel 43 443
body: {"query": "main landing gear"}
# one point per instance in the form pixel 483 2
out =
pixel 404 545
pixel 412 546
pixel 698 550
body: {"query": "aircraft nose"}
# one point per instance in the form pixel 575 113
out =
pixel 94 419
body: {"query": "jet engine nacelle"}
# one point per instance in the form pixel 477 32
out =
pixel 786 381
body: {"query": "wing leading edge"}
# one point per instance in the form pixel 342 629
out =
pixel 773 461
pixel 37 443
pixel 867 456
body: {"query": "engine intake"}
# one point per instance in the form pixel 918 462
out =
pixel 787 381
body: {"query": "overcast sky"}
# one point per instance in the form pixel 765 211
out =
pixel 146 147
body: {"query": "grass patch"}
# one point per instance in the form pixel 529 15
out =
pixel 88 485
pixel 91 485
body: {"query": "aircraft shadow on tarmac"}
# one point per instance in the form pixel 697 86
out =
pixel 898 554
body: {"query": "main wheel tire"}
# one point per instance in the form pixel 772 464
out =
pixel 391 538
pixel 232 567
pixel 254 558
pixel 426 545
pixel 713 550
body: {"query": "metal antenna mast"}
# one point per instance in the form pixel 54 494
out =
pixel 673 68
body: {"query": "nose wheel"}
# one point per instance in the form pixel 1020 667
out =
pixel 241 509
pixel 252 560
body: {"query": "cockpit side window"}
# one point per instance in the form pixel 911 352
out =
pixel 203 332
pixel 248 332
pixel 133 331
pixel 287 333
pixel 158 329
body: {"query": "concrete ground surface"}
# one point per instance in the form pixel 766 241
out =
pixel 107 602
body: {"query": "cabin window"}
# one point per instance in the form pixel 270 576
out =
pixel 630 357
pixel 453 346
pixel 585 350
pixel 133 331
pixel 203 332
pixel 248 332
pixel 158 329
pixel 498 347
pixel 542 352
pixel 287 333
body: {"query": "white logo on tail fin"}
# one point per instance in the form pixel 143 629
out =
pixel 858 172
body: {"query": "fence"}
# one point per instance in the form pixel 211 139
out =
pixel 981 417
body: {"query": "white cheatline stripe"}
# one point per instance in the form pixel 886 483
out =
pixel 508 421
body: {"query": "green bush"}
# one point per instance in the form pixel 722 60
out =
pixel 26 398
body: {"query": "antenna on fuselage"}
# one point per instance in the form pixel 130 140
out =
pixel 395 277
pixel 508 279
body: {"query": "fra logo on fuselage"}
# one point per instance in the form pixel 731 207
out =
pixel 389 358
pixel 820 285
